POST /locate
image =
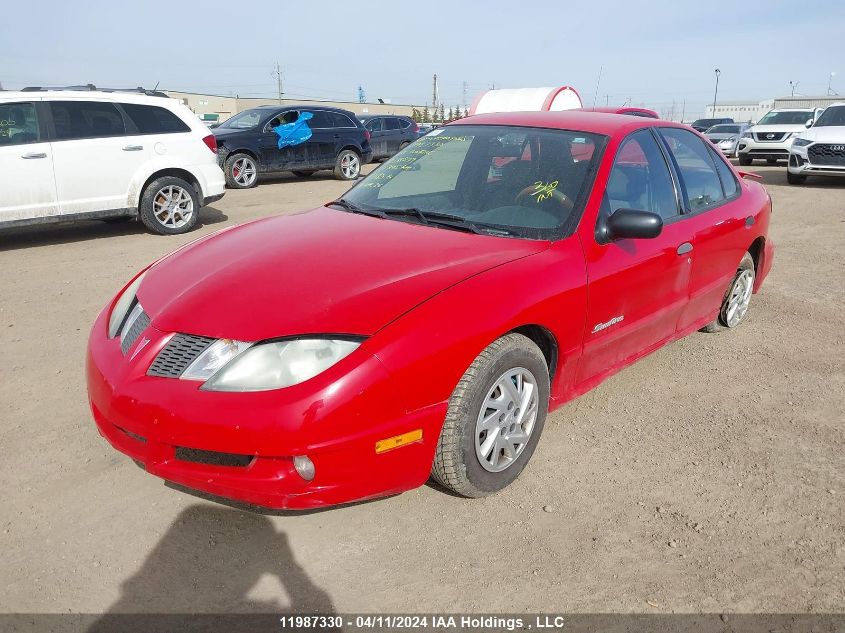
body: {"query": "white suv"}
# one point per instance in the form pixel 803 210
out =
pixel 771 137
pixel 91 154
pixel 820 150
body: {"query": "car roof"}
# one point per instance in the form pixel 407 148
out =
pixel 620 110
pixel 374 116
pixel 280 108
pixel 92 95
pixel 594 122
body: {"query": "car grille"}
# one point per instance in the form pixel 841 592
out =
pixel 180 351
pixel 764 137
pixel 141 322
pixel 822 154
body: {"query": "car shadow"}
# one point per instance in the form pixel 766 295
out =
pixel 202 572
pixel 84 230
pixel 258 510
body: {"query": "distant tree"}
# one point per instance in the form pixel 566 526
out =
pixel 451 114
pixel 442 113
pixel 415 115
pixel 466 111
pixel 425 114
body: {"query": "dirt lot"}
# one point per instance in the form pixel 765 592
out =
pixel 708 477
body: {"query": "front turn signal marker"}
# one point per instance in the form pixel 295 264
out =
pixel 389 443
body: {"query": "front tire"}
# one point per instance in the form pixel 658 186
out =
pixel 241 171
pixel 347 165
pixel 169 206
pixel 795 179
pixel 495 418
pixel 744 160
pixel 737 298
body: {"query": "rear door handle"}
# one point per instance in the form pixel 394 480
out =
pixel 31 155
pixel 132 148
pixel 684 248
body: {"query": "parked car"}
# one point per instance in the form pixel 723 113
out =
pixel 248 144
pixel 87 154
pixel 425 128
pixel 819 150
pixel 426 322
pixel 389 134
pixel 771 137
pixel 726 136
pixel 630 111
pixel 702 125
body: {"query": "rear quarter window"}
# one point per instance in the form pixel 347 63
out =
pixel 154 119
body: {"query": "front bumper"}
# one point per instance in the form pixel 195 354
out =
pixel 750 148
pixel 800 164
pixel 241 445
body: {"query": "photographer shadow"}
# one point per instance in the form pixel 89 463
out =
pixel 200 575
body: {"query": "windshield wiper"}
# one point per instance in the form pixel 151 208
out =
pixel 354 208
pixel 447 220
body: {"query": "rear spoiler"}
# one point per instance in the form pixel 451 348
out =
pixel 748 174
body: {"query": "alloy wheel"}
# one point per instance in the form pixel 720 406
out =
pixel 350 165
pixel 739 298
pixel 506 419
pixel 173 206
pixel 244 172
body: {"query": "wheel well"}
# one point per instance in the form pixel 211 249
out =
pixel 248 152
pixel 176 173
pixel 756 251
pixel 353 148
pixel 545 340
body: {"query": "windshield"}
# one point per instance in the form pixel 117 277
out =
pixel 706 122
pixel 525 182
pixel 243 120
pixel 786 117
pixel 834 115
pixel 723 129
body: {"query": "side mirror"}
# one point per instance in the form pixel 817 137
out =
pixel 809 123
pixel 633 224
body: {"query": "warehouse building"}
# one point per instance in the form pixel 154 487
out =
pixel 219 108
pixel 752 111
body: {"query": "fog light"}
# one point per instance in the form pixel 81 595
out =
pixel 304 466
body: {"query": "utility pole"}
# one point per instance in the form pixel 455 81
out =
pixel 434 95
pixel 277 73
pixel 716 94
pixel 829 80
pixel 683 110
pixel 464 87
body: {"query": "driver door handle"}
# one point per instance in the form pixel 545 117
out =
pixel 684 248
pixel 31 155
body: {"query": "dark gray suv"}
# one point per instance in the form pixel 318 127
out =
pixel 389 133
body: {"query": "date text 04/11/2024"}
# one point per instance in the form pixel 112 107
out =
pixel 438 622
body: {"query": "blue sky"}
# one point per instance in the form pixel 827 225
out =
pixel 652 56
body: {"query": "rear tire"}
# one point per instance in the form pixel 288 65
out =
pixel 347 165
pixel 744 160
pixel 403 145
pixel 169 206
pixel 795 179
pixel 478 452
pixel 735 303
pixel 241 171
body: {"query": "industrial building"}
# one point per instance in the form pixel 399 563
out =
pixel 753 111
pixel 219 108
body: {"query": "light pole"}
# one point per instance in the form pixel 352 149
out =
pixel 794 85
pixel 716 94
pixel 829 81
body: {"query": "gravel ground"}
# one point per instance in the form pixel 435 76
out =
pixel 709 476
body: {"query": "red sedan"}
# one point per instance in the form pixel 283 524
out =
pixel 425 324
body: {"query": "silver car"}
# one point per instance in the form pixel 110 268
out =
pixel 726 137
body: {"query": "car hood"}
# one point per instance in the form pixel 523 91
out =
pixel 319 272
pixel 825 134
pixel 762 129
pixel 222 133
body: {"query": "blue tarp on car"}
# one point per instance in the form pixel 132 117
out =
pixel 294 133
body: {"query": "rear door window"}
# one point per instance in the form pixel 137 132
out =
pixel 696 167
pixel 391 123
pixel 342 120
pixel 18 124
pixel 321 119
pixel 374 125
pixel 86 119
pixel 154 119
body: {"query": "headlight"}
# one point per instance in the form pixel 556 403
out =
pixel 787 135
pixel 214 358
pixel 801 142
pixel 747 135
pixel 122 305
pixel 278 364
